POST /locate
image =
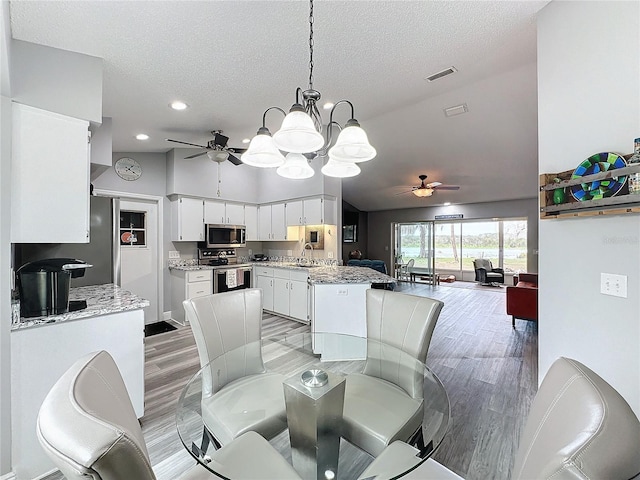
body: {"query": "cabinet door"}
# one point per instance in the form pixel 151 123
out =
pixel 214 212
pixel 313 211
pixel 298 299
pixel 330 215
pixel 187 218
pixel 199 289
pixel 264 222
pixel 235 214
pixel 281 296
pixel 278 222
pixel 294 213
pixel 49 177
pixel 266 284
pixel 251 222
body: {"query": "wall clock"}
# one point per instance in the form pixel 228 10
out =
pixel 128 169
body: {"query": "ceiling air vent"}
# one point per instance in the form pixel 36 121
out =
pixel 441 74
pixel 457 110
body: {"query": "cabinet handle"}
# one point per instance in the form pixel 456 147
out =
pixel 300 220
pixel 305 220
pixel 228 220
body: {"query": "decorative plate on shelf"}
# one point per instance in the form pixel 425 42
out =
pixel 600 162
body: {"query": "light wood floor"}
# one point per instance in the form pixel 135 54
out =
pixel 488 369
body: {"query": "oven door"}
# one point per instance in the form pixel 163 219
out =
pixel 229 279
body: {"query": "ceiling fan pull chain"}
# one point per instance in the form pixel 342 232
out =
pixel 218 192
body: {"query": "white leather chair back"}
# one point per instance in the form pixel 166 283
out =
pixel 579 427
pixel 405 322
pixel 88 426
pixel 227 330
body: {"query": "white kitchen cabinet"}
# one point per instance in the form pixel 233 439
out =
pixel 187 220
pixel 294 213
pixel 49 177
pixel 224 213
pixel 311 211
pixel 251 222
pixel 272 222
pixel 290 293
pixel 264 280
pixel 188 284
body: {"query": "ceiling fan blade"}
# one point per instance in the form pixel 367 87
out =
pixel 185 143
pixel 196 155
pixel 236 150
pixel 235 160
pixel 447 187
pixel 402 193
pixel 433 184
pixel 220 140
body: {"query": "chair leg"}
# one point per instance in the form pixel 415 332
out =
pixel 513 321
pixel 207 439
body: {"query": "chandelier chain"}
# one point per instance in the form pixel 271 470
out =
pixel 310 44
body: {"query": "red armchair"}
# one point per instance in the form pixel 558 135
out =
pixel 522 298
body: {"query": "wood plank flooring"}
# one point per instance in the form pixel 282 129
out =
pixel 488 369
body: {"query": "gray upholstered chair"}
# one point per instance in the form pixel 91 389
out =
pixel 89 429
pixel 579 428
pixel 238 393
pixel 385 402
pixel 485 273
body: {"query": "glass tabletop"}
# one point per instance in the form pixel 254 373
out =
pixel 312 369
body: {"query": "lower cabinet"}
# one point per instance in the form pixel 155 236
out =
pixel 264 280
pixel 188 284
pixel 291 293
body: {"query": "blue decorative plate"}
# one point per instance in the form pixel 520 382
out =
pixel 600 162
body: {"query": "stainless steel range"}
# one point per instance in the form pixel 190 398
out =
pixel 228 274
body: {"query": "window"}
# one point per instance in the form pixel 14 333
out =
pixel 448 246
pixel 133 228
pixel 515 245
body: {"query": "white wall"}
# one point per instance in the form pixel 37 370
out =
pixel 57 80
pixel 5 239
pixel 589 102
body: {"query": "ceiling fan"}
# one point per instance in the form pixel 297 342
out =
pixel 216 149
pixel 426 190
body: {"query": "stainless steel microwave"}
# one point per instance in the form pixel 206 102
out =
pixel 225 236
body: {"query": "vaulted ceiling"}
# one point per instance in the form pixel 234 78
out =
pixel 230 60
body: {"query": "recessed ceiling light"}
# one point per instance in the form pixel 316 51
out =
pixel 446 204
pixel 246 140
pixel 142 136
pixel 457 110
pixel 178 105
pixel 443 73
pixel 328 106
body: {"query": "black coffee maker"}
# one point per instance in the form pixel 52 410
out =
pixel 44 285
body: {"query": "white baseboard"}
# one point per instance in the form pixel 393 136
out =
pixel 8 476
pixel 44 475
pixel 166 316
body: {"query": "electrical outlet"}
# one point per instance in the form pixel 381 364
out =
pixel 174 254
pixel 289 253
pixel 614 285
pixel 250 252
pixel 343 292
pixel 330 254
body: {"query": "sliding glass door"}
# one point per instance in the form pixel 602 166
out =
pixel 414 241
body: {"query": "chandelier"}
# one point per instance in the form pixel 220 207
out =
pixel 300 136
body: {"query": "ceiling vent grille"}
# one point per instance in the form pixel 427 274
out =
pixel 457 110
pixel 441 74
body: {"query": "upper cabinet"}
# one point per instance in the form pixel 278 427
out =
pixel 187 220
pixel 272 222
pixel 224 213
pixel 311 211
pixel 49 177
pixel 251 222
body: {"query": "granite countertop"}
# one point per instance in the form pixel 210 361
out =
pixel 189 268
pixel 101 300
pixel 336 274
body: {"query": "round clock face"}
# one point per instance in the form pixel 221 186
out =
pixel 128 169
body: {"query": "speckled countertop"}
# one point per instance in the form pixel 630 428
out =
pixel 189 268
pixel 101 300
pixel 336 274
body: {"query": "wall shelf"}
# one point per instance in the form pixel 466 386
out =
pixel 622 203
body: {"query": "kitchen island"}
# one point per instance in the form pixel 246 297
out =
pixel 43 348
pixel 334 300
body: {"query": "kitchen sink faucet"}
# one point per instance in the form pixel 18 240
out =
pixel 304 247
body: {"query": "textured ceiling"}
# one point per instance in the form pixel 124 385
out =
pixel 230 60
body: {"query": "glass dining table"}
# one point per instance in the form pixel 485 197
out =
pixel 314 392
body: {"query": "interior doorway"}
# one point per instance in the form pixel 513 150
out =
pixel 138 236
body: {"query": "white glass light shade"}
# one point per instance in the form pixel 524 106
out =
pixel 340 169
pixel 297 134
pixel 423 192
pixel 352 145
pixel 262 152
pixel 295 166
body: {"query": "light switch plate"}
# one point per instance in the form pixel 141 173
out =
pixel 330 254
pixel 614 285
pixel 174 254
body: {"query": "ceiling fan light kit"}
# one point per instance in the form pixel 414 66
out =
pixel 301 132
pixel 423 192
